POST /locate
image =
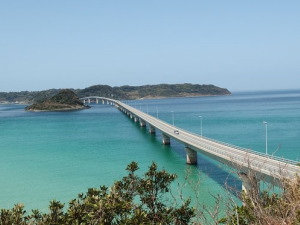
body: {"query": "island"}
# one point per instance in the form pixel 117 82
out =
pixel 65 100
pixel 125 92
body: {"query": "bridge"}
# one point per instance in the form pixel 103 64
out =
pixel 251 165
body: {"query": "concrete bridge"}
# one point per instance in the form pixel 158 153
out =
pixel 251 165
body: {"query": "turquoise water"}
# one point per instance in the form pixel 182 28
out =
pixel 57 155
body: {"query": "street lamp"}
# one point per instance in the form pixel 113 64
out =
pixel 201 124
pixel 172 117
pixel 266 125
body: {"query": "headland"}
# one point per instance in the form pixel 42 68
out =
pixel 120 93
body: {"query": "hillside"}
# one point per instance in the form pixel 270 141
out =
pixel 64 100
pixel 122 92
pixel 172 90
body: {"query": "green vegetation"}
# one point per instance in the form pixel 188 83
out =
pixel 27 96
pixel 172 90
pixel 145 200
pixel 123 92
pixel 132 200
pixel 64 100
pixel 268 208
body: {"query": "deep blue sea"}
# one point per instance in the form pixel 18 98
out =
pixel 56 155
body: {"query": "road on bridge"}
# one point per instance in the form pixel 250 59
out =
pixel 244 159
pixel 229 154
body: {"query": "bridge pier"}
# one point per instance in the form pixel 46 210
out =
pixel 89 101
pixel 136 119
pixel 97 101
pixel 250 184
pixel 191 156
pixel 165 139
pixel 142 123
pixel 151 129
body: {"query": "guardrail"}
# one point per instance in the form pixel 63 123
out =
pixel 288 161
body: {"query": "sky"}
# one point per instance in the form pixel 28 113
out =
pixel 238 45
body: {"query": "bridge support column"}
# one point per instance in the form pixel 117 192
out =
pixel 250 184
pixel 83 101
pixel 103 102
pixel 97 101
pixel 191 156
pixel 165 139
pixel 142 123
pixel 151 129
pixel 89 101
pixel 136 119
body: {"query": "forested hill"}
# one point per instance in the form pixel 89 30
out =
pixel 122 92
pixel 63 101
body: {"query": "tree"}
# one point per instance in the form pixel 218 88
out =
pixel 269 208
pixel 132 200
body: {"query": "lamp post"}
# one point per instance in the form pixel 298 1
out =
pixel 266 125
pixel 201 124
pixel 172 117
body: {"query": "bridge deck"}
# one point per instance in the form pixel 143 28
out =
pixel 244 159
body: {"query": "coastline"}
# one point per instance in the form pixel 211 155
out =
pixel 181 96
pixel 146 97
pixel 57 110
pixel 14 103
pixel 124 92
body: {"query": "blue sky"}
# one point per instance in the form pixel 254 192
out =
pixel 239 45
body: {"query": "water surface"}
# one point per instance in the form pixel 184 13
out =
pixel 56 155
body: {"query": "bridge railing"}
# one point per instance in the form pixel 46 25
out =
pixel 281 159
pixel 289 161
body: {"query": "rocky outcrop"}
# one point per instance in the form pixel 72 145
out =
pixel 64 100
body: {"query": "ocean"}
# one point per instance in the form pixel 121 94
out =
pixel 57 155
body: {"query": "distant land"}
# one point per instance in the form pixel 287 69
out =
pixel 65 100
pixel 123 92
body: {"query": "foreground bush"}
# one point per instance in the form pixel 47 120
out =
pixel 132 200
pixel 145 200
pixel 269 208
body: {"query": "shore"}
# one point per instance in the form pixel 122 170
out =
pixel 59 109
